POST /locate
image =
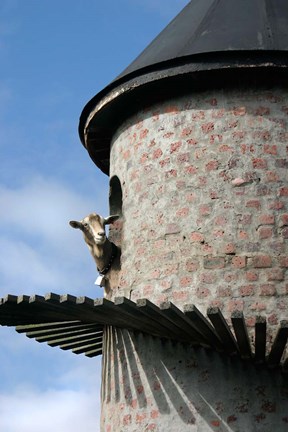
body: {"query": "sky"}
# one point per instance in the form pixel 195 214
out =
pixel 55 56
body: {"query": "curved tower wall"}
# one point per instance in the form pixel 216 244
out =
pixel 205 216
pixel 205 221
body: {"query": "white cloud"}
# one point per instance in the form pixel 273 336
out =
pixel 43 207
pixel 39 251
pixel 22 266
pixel 33 411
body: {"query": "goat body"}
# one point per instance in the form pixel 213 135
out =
pixel 105 253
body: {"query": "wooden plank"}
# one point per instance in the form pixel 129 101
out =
pixel 223 330
pixel 157 316
pixel 94 352
pixel 46 311
pixel 138 320
pixel 66 336
pixel 179 319
pixel 65 330
pixel 241 334
pixel 46 326
pixel 260 340
pixel 203 326
pixel 83 340
pixel 278 345
pixel 87 348
pixel 71 345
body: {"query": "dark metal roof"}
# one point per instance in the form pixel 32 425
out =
pixel 206 26
pixel 77 324
pixel 207 36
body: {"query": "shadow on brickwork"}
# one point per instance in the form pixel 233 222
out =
pixel 199 386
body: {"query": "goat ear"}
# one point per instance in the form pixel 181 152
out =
pixel 76 224
pixel 110 219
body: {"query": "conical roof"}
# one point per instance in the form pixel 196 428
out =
pixel 206 36
pixel 209 26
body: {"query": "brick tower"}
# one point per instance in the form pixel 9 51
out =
pixel 194 137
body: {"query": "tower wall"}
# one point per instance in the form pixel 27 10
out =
pixel 205 197
pixel 205 221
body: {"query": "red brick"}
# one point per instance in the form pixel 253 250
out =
pixel 157 153
pixel 207 127
pixel 270 149
pixel 208 278
pixel 243 235
pixel 258 306
pixel 283 261
pixel 192 265
pixel 186 131
pixel 196 237
pixel 281 163
pixel 239 261
pixel 224 292
pixel 140 417
pixel 175 146
pixel 235 305
pixel 284 219
pixel 190 169
pixel 143 133
pixel 276 205
pixel 231 277
pixel 212 165
pixel 275 274
pixel 182 212
pixel 229 248
pixel 262 261
pixel 273 319
pixel 151 427
pixel 205 209
pixel 272 176
pixel 127 419
pixel 144 158
pixel 183 158
pixel 164 162
pixel 254 204
pixel 259 163
pixel 171 173
pixel 267 290
pixel 203 292
pixel 252 276
pixel 185 281
pixel 214 262
pixel 154 414
pixel 246 290
pixel 265 232
pixel 192 141
pixel 172 229
pixel 180 296
pixel 283 191
pixel 267 219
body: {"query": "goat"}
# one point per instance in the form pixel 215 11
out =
pixel 105 253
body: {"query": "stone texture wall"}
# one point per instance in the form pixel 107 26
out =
pixel 205 198
pixel 205 221
pixel 160 386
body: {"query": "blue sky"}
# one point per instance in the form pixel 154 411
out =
pixel 55 56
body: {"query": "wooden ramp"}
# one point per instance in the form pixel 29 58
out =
pixel 77 324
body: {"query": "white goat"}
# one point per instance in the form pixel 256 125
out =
pixel 105 253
